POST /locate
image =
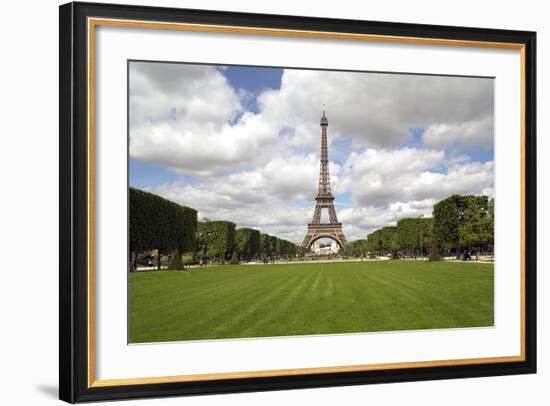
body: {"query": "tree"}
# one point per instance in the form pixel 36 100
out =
pixel 375 242
pixel 426 233
pixel 176 263
pixel 355 248
pixel 247 243
pixel 215 239
pixel 159 224
pixel 476 228
pixel 274 245
pixel 434 252
pixel 265 248
pixel 391 238
pixel 419 235
pixel 409 230
pixel 234 258
pixel 491 225
pixel 447 217
pixel 291 248
pixel 384 240
pixel 271 246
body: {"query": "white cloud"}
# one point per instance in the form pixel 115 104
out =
pixel 379 109
pixel 180 117
pixel 260 170
pixel 380 177
pixel 464 134
pixel 189 118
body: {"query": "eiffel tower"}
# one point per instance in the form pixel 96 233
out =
pixel 324 200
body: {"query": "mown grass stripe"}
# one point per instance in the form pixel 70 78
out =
pixel 315 298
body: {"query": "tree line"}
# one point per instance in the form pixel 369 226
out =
pixel 157 224
pixel 458 223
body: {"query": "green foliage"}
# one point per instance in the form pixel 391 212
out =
pixel 447 216
pixel 265 249
pixel 234 258
pixel 434 251
pixel 268 245
pixel 271 246
pixel 162 225
pixel 215 239
pixel 287 248
pixel 415 234
pixel 358 248
pixel 157 223
pixel 384 240
pixel 176 263
pixel 274 244
pixel 458 221
pixel 463 221
pixel 476 228
pixel 491 210
pixel 247 243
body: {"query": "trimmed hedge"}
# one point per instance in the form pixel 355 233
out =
pixel 247 243
pixel 287 248
pixel 158 223
pixel 215 239
pixel 272 246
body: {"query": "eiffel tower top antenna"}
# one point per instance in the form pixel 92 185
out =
pixel 324 175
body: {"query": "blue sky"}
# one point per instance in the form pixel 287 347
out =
pixel 253 80
pixel 200 136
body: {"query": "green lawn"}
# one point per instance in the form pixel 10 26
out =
pixel 275 300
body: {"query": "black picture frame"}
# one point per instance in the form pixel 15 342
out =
pixel 74 199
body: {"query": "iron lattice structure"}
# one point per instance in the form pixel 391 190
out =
pixel 324 201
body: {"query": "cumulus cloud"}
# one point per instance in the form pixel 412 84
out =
pixel 281 178
pixel 260 168
pixel 380 177
pixel 189 118
pixel 378 109
pixel 460 134
pixel 180 116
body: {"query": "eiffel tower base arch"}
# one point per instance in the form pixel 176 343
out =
pixel 318 231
